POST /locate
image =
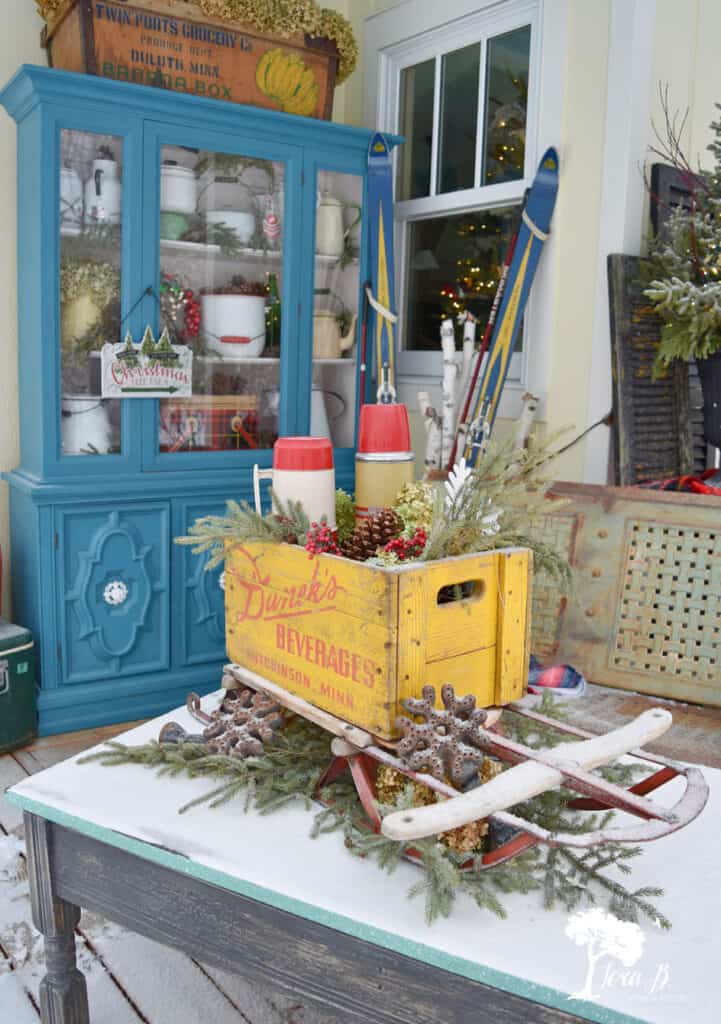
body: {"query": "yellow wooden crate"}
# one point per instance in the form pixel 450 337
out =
pixel 356 639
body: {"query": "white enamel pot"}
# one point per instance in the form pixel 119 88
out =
pixel 234 325
pixel 85 425
pixel 178 189
pixel 241 221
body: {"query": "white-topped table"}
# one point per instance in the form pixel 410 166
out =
pixel 255 894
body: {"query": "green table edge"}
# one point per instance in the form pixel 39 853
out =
pixel 368 933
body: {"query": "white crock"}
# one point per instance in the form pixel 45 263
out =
pixel 85 424
pixel 241 221
pixel 178 189
pixel 234 325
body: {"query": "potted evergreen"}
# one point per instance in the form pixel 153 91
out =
pixel 685 264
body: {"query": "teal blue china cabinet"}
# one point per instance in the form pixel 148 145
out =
pixel 242 232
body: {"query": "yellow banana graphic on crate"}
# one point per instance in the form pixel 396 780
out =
pixel 283 77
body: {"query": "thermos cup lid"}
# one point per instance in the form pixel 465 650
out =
pixel 384 428
pixel 302 453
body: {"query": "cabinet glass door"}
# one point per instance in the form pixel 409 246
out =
pixel 91 195
pixel 335 307
pixel 221 277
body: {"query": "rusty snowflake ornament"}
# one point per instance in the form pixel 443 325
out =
pixel 448 743
pixel 243 724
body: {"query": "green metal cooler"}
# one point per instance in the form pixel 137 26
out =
pixel 18 719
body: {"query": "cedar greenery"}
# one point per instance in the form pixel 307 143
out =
pixel 344 515
pixel 501 504
pixel 290 769
pixel 242 524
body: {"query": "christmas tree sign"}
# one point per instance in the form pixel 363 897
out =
pixel 149 369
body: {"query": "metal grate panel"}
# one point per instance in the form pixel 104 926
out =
pixel 548 604
pixel 645 610
pixel 669 613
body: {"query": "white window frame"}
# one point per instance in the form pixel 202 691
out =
pixel 389 49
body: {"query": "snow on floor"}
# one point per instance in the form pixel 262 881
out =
pixel 130 978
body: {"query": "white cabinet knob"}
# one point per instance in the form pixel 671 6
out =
pixel 221 581
pixel 115 592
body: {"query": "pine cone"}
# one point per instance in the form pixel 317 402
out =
pixel 371 534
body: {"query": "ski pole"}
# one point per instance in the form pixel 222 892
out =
pixel 486 340
pixel 364 343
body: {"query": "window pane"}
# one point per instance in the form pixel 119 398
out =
pixel 90 248
pixel 453 265
pixel 506 102
pixel 416 124
pixel 459 119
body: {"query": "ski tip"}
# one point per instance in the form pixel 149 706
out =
pixel 378 146
pixel 549 161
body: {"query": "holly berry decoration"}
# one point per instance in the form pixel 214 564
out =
pixel 408 548
pixel 192 315
pixel 180 310
pixel 321 540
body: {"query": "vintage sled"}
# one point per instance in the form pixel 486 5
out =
pixel 533 772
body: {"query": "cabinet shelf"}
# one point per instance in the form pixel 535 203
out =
pixel 257 360
pixel 210 249
pixel 226 361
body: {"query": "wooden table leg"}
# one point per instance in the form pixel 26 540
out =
pixel 63 992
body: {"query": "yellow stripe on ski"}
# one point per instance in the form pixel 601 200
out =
pixel 500 350
pixel 384 298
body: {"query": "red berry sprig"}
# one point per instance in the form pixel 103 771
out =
pixel 192 314
pixel 407 548
pixel 321 539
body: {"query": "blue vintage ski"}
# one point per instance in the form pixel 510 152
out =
pixel 536 220
pixel 382 297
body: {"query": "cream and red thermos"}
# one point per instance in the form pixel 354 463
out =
pixel 384 460
pixel 302 471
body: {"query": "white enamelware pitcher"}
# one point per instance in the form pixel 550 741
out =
pixel 103 190
pixel 302 471
pixel 330 234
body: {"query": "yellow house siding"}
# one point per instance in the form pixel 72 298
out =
pixel 576 224
pixel 686 44
pixel 19 44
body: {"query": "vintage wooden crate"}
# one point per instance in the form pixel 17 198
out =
pixel 356 639
pixel 175 46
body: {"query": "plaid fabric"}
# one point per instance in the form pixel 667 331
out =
pixel 184 427
pixel 689 484
pixel 560 677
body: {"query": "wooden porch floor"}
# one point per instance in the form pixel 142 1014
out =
pixel 139 995
pixel 133 980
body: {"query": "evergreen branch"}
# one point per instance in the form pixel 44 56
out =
pixel 624 904
pixel 289 770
